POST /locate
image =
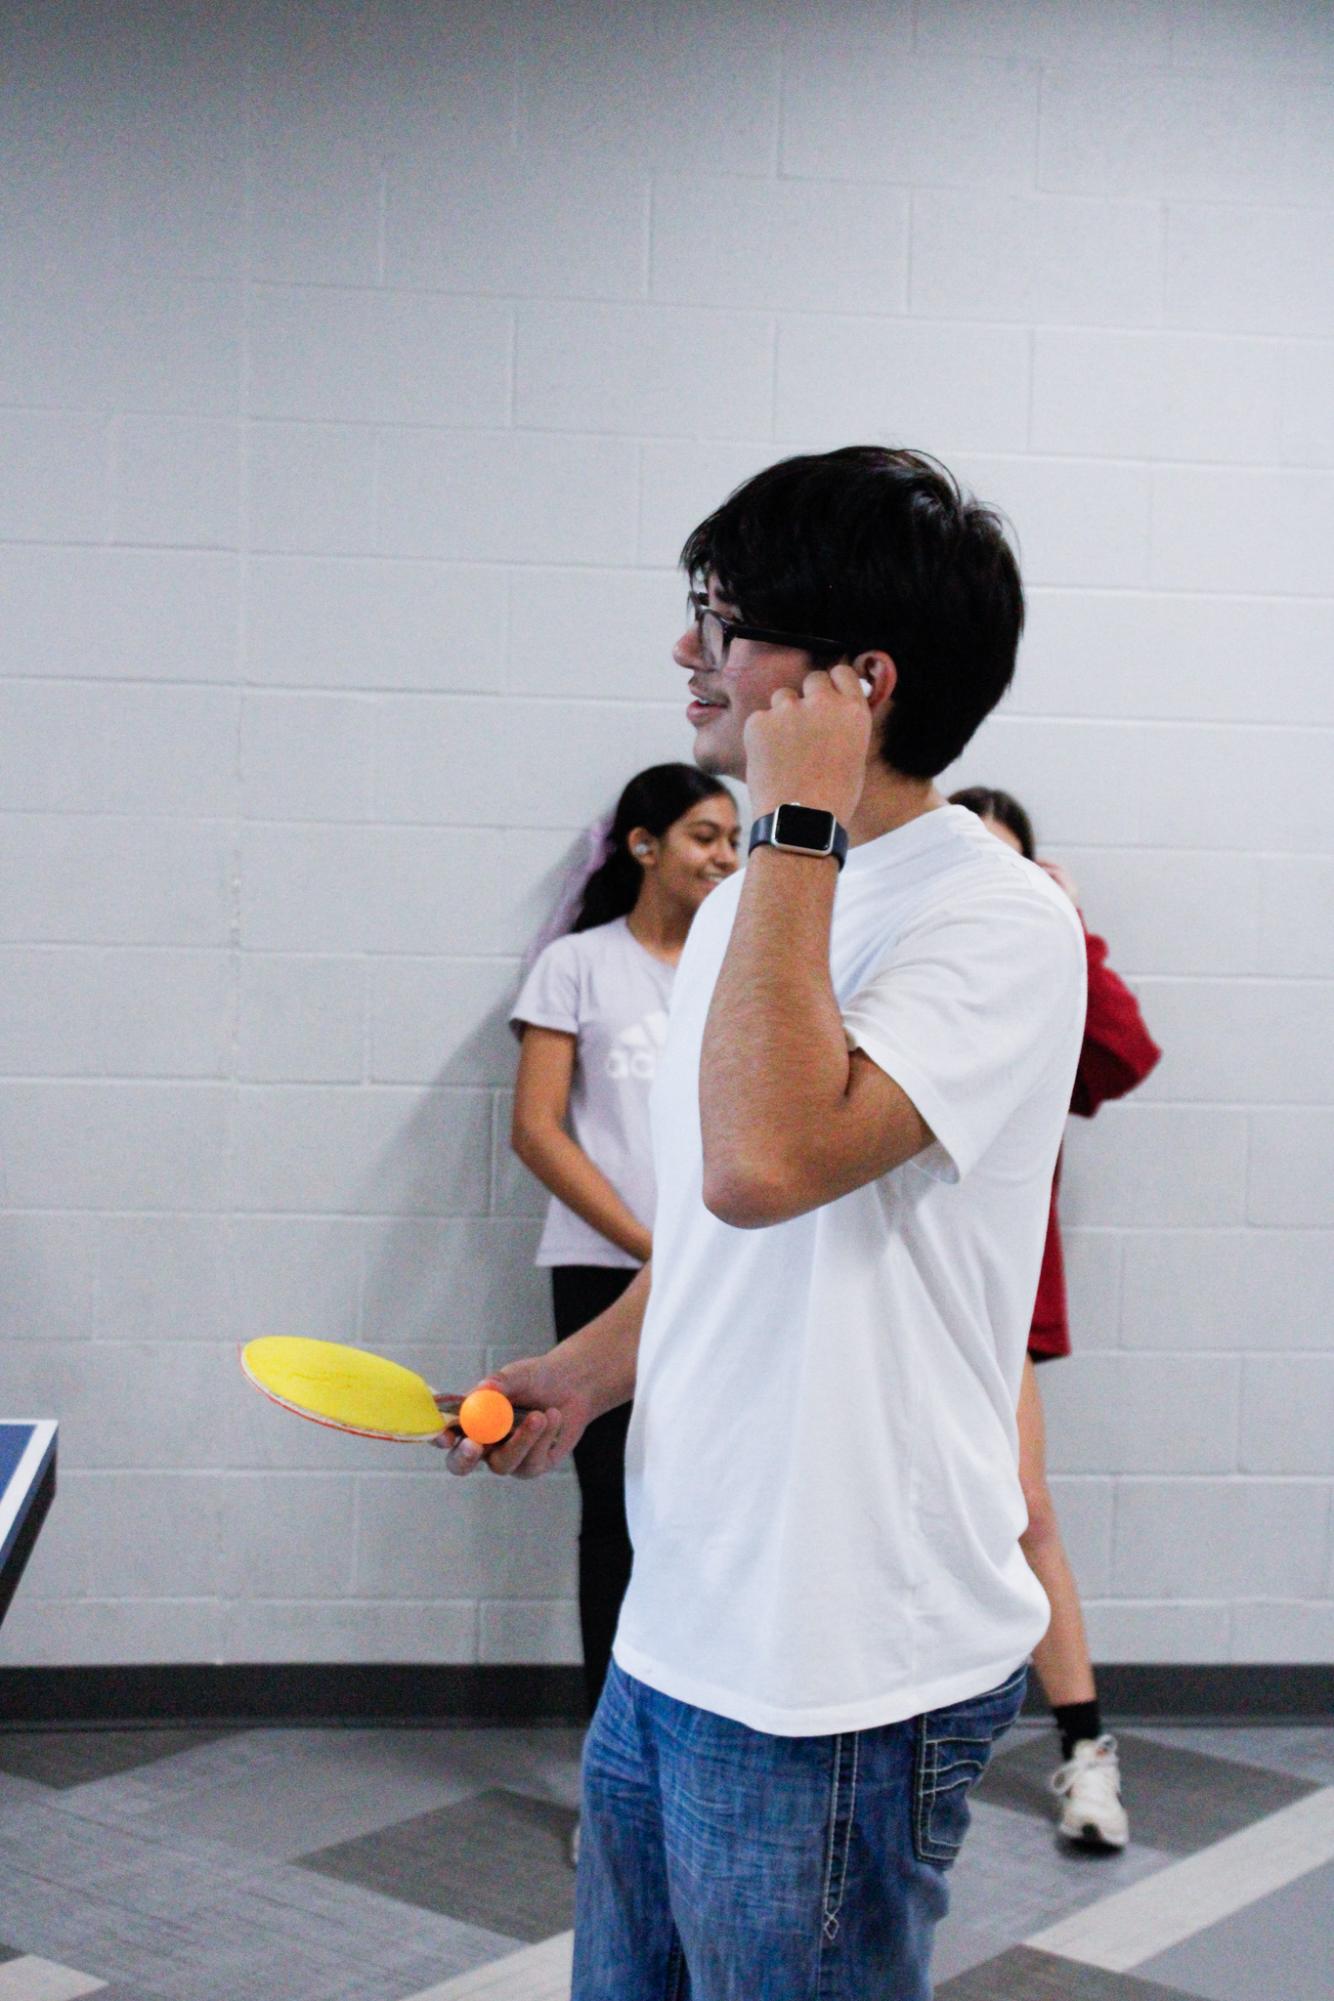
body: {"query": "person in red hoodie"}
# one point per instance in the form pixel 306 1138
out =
pixel 1117 1054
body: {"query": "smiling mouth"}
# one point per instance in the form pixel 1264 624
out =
pixel 705 701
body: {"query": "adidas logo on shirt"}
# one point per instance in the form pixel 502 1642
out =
pixel 634 1054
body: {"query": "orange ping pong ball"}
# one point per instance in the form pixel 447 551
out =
pixel 486 1417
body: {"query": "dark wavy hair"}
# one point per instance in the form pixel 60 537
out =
pixel 655 800
pixel 878 550
pixel 990 803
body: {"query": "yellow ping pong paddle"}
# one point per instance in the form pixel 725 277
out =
pixel 352 1389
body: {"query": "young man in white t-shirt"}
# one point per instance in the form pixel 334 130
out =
pixel 856 1119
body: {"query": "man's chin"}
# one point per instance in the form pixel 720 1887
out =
pixel 716 759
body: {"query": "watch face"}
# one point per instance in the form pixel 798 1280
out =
pixel 804 827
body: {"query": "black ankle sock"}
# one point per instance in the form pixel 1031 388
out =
pixel 1075 1720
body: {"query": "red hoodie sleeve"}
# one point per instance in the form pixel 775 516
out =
pixel 1118 1050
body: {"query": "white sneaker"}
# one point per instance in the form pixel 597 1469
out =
pixel 1089 1787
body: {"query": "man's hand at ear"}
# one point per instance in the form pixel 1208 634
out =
pixel 811 745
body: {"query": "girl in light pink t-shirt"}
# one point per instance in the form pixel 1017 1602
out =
pixel 592 1015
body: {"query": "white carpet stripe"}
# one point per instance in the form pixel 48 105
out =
pixel 32 1979
pixel 1135 1924
pixel 538 1973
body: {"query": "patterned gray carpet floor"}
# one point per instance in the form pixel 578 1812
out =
pixel 384 1864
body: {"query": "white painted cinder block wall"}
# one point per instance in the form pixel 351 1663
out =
pixel 362 370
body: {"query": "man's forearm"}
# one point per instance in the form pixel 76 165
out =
pixel 774 1062
pixel 603 1356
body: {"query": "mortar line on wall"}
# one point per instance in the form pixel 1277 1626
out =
pixel 220 1079
pixel 1225 1478
pixel 910 237
pixel 505 623
pixel 774 61
pixel 981 323
pixel 1164 235
pixel 493 1177
pixel 113 444
pixel 1027 717
pixel 377 461
pixel 1173 593
pixel 679 305
pixel 1038 64
pixel 645 566
pixel 1151 498
pixel 545 698
pixel 463 829
pixel 1238 979
pixel 515 88
pixel 957 445
pixel 365 966
pixel 1178 853
pixel 373 762
pixel 433 1219
pixel 509 961
pixel 1036 196
pixel 1223 1105
pixel 782 52
pixel 382 225
pixel 1248 1146
pixel 354 1554
pixel 97 1277
pixel 650 207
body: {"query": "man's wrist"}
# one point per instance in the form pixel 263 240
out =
pixel 812 833
pixel 792 858
pixel 600 1360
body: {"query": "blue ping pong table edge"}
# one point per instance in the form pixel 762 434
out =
pixel 21 1489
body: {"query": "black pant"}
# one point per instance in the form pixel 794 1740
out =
pixel 578 1294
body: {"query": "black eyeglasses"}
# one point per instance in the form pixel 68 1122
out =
pixel 716 633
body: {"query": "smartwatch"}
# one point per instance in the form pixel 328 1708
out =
pixel 800 830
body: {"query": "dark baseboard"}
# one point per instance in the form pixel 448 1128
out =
pixel 291 1692
pixel 1227 1692
pixel 365 1692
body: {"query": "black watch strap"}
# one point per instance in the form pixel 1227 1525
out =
pixel 800 830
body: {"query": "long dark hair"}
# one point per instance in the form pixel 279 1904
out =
pixel 654 799
pixel 990 803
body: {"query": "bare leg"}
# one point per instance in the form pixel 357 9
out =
pixel 1062 1657
pixel 1088 1783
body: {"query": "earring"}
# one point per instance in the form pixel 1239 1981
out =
pixel 643 848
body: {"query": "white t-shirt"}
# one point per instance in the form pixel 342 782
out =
pixel 822 1469
pixel 602 987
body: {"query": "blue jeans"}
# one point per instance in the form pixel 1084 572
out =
pixel 718 1863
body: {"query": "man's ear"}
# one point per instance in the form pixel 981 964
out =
pixel 878 676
